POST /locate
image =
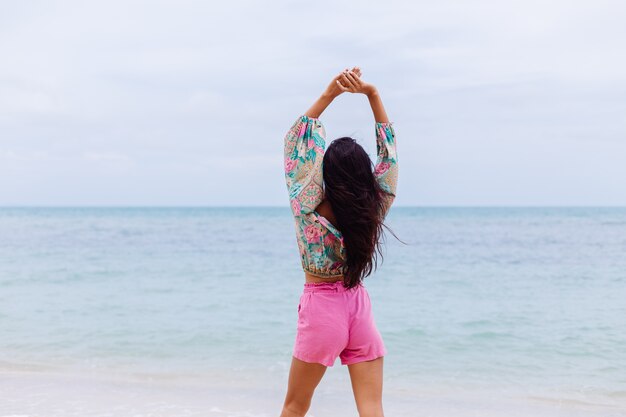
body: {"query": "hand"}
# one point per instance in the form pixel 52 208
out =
pixel 350 81
pixel 333 88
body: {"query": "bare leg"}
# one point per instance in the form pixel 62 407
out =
pixel 303 379
pixel 367 384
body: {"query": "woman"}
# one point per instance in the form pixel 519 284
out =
pixel 339 212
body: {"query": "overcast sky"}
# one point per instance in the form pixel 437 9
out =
pixel 187 102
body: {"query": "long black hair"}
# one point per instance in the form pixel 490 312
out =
pixel 357 202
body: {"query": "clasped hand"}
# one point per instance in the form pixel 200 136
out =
pixel 349 81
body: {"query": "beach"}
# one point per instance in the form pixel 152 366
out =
pixel 192 311
pixel 47 392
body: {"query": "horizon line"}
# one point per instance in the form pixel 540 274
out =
pixel 139 206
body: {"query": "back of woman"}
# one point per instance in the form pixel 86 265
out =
pixel 339 201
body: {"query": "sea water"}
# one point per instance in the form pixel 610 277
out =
pixel 192 311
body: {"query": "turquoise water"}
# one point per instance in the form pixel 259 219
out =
pixel 526 300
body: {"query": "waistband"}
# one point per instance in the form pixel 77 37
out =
pixel 336 286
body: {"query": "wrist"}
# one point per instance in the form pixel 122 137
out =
pixel 327 95
pixel 371 92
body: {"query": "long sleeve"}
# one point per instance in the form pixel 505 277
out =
pixel 386 171
pixel 304 152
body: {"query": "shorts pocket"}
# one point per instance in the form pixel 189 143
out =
pixel 303 301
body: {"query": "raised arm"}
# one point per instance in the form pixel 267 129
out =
pixel 386 167
pixel 304 151
pixel 380 115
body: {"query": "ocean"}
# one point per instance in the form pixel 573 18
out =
pixel 192 311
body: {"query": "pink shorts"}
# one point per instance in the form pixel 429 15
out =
pixel 335 321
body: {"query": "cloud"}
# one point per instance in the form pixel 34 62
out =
pixel 166 87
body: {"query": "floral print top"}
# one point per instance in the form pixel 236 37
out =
pixel 321 245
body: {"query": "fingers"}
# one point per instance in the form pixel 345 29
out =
pixel 346 81
pixel 341 86
pixel 352 79
pixel 355 70
pixel 349 80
